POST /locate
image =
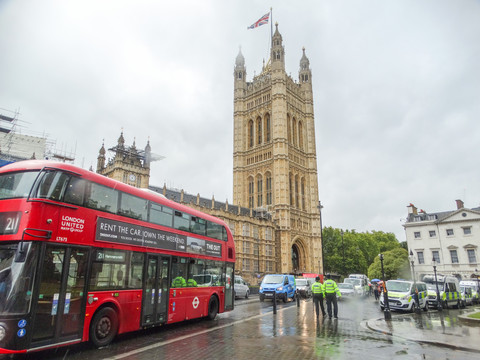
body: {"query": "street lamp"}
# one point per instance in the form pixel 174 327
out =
pixel 343 249
pixel 386 312
pixel 439 303
pixel 417 300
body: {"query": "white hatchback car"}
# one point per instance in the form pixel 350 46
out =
pixel 241 288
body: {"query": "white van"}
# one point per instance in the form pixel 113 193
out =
pixel 402 294
pixel 449 289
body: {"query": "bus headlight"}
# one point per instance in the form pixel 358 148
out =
pixel 3 332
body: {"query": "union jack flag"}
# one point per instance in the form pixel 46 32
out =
pixel 262 21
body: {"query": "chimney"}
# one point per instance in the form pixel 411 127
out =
pixel 459 204
pixel 412 209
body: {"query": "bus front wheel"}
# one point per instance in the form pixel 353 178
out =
pixel 212 308
pixel 104 327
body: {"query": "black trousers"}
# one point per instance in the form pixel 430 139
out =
pixel 318 300
pixel 332 299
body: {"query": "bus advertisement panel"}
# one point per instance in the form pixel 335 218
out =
pixel 84 258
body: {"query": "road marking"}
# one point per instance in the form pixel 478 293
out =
pixel 153 346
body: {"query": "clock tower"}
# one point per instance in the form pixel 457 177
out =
pixel 129 165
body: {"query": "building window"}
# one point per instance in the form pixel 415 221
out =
pixel 269 189
pixel 436 256
pixel 250 133
pixel 231 225
pixel 432 233
pixel 290 188
pixel 246 230
pixel 294 132
pixel 472 259
pixel 416 234
pixel 246 247
pixel 467 230
pixel 267 128
pixel 268 234
pixel 449 232
pixel 246 264
pixel 255 232
pixel 300 135
pixel 431 217
pixel 250 193
pixel 454 256
pixel 259 131
pixel 269 250
pixel 269 266
pixel 421 259
pixel 259 191
pixel 297 201
pixel 303 194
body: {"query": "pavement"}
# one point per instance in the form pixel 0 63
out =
pixel 449 328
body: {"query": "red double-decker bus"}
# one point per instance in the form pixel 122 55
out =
pixel 84 257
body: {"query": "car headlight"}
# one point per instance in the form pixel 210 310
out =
pixel 261 287
pixel 3 332
pixel 280 288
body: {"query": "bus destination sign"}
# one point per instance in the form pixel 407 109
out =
pixel 124 233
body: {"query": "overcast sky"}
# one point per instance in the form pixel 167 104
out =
pixel 396 91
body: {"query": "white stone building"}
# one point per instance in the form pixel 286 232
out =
pixel 452 238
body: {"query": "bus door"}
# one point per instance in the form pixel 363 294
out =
pixel 59 311
pixel 155 290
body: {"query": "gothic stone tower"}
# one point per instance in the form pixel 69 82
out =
pixel 129 165
pixel 274 156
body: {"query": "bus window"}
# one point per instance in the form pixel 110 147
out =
pixel 179 272
pixel 214 230
pixel 102 198
pixel 133 206
pixel 52 185
pixel 136 271
pixel 75 192
pixel 161 215
pixel 195 270
pixel 199 225
pixel 181 221
pixel 16 185
pixel 108 270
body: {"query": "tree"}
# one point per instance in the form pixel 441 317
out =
pixel 395 265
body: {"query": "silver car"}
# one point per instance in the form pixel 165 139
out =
pixel 241 288
pixel 347 290
pixel 304 287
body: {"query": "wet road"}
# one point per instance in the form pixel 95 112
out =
pixel 252 331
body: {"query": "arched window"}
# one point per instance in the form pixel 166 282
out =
pixel 267 128
pixel 295 258
pixel 268 184
pixel 294 131
pixel 303 194
pixel 300 135
pixel 250 134
pixel 290 188
pixel 259 130
pixel 289 129
pixel 259 191
pixel 297 202
pixel 250 192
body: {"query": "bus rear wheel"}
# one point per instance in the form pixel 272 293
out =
pixel 212 307
pixel 104 327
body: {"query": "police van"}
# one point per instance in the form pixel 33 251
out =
pixel 448 288
pixel 402 295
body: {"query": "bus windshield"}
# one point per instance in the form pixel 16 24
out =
pixel 15 278
pixel 16 185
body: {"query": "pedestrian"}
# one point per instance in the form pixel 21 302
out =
pixel 375 291
pixel 331 292
pixel 317 291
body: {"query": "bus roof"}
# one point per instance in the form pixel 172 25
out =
pixel 103 180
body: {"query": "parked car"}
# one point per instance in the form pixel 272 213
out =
pixel 240 287
pixel 283 286
pixel 304 287
pixel 402 294
pixel 347 290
